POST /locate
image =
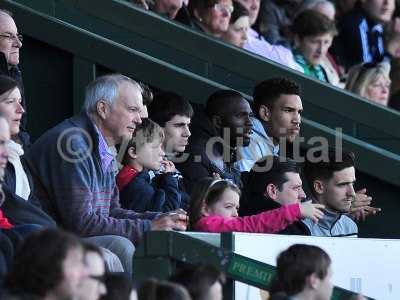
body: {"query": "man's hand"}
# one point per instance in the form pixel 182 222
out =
pixel 312 211
pixel 360 207
pixel 174 220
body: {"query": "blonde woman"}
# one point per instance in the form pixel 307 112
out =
pixel 371 81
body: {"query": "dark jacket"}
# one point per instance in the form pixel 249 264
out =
pixel 202 162
pixel 145 194
pixel 18 210
pixel 254 202
pixel 360 39
pixel 75 187
pixel 15 73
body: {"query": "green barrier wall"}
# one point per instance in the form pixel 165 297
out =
pixel 160 253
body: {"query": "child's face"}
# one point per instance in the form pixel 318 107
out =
pixel 314 48
pixel 150 155
pixel 227 206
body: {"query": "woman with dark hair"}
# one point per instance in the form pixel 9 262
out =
pixel 48 265
pixel 20 206
pixel 6 246
pixel 210 16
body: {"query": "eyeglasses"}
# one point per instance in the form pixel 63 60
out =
pixel 223 8
pixel 11 37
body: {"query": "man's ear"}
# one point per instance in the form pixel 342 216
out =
pixel 217 121
pixel 271 191
pixel 264 113
pixel 319 186
pixel 102 109
pixel 312 281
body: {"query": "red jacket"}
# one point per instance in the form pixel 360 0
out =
pixel 125 176
pixel 4 223
pixel 266 222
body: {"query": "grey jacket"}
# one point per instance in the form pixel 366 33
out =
pixel 333 224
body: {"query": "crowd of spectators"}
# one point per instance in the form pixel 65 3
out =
pixel 72 214
pixel 323 39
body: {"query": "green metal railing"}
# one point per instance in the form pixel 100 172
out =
pixel 228 65
pixel 159 252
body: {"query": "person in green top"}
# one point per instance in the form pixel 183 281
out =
pixel 313 35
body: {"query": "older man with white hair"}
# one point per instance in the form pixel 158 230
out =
pixel 10 44
pixel 73 166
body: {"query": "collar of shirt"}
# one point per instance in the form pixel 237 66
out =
pixel 260 132
pixel 106 153
pixel 310 70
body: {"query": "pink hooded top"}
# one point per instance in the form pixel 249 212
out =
pixel 266 222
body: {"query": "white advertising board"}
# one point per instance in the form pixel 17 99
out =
pixel 367 266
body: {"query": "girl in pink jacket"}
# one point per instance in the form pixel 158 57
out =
pixel 214 208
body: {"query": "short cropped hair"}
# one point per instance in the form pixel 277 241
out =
pixel 267 92
pixel 298 262
pixel 271 169
pixel 323 167
pixel 312 23
pixel 104 88
pixel 166 105
pixel 198 280
pixel 218 102
pixel 6 12
pixel 38 263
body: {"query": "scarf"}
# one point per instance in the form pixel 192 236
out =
pixel 22 188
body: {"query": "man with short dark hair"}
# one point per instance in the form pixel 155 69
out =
pixel 173 113
pixel 274 181
pixel 277 109
pixel 304 272
pixel 222 127
pixel 330 175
